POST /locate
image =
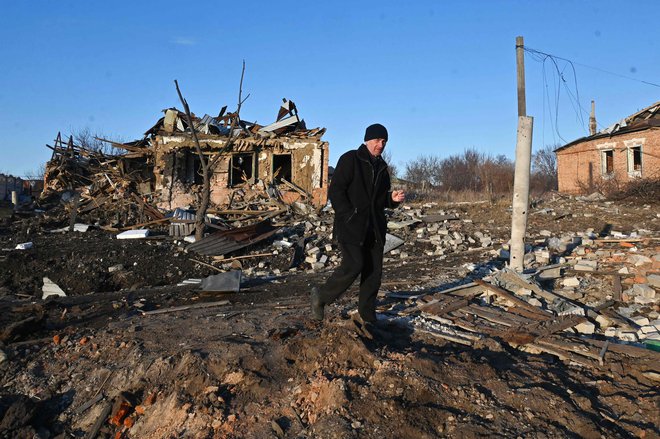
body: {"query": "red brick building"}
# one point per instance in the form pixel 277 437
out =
pixel 627 150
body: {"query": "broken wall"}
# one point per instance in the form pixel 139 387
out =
pixel 251 166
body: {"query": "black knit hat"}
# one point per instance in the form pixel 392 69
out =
pixel 375 131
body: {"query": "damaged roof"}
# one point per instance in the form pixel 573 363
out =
pixel 646 118
pixel 288 124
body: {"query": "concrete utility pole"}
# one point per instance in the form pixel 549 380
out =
pixel 523 164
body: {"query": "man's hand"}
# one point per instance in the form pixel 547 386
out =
pixel 398 196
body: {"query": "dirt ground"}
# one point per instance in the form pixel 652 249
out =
pixel 256 366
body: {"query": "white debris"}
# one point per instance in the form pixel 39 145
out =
pixel 134 234
pixel 24 246
pixel 50 288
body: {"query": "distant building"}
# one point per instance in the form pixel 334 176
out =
pixel 627 150
pixel 8 184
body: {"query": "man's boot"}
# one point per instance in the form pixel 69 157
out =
pixel 317 305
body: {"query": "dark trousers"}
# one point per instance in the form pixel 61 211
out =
pixel 364 260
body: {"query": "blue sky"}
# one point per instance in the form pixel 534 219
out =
pixel 440 75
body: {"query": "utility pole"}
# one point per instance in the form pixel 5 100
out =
pixel 520 64
pixel 522 167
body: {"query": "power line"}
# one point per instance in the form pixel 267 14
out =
pixel 560 80
pixel 530 50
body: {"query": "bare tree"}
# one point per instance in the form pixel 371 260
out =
pixel 206 164
pixel 35 174
pixel 391 167
pixel 92 141
pixel 544 168
pixel 425 171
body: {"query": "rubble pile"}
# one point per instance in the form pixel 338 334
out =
pixel 146 337
pixel 107 189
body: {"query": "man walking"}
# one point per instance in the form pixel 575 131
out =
pixel 359 192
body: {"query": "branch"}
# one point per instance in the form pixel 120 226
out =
pixel 202 159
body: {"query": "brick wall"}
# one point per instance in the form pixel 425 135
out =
pixel 580 167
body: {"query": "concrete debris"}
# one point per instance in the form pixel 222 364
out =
pixel 50 288
pixel 133 234
pixel 24 246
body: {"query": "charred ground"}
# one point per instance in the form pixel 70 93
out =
pixel 258 367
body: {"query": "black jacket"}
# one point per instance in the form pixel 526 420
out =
pixel 359 197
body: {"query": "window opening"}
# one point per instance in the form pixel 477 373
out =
pixel 242 168
pixel 282 167
pixel 635 159
pixel 608 162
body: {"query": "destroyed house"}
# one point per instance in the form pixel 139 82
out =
pixel 283 160
pixel 627 150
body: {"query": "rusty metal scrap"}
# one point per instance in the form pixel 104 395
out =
pixel 227 241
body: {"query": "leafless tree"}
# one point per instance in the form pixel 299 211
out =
pixel 207 164
pixel 391 167
pixel 85 138
pixel 544 168
pixel 36 174
pixel 425 171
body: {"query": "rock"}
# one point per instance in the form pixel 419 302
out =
pixel 571 282
pixel 50 288
pixel 611 332
pixel 624 270
pixel 545 233
pixel 640 320
pixel 647 329
pixel 628 336
pixel 3 356
pixel 586 265
pixel 603 322
pixel 644 300
pixel 653 280
pixel 118 267
pixel 643 290
pixel 586 328
pixel 535 302
pixel 638 260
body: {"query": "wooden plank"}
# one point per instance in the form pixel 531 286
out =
pixel 565 355
pixel 535 311
pixel 516 279
pixel 186 307
pixel 498 316
pixel 443 307
pixel 526 334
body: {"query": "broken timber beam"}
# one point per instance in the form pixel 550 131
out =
pixel 535 311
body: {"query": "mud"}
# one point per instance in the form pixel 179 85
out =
pixel 259 367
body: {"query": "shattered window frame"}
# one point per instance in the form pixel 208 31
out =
pixel 273 170
pixel 607 162
pixel 635 160
pixel 236 172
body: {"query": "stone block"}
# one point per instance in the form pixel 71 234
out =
pixel 628 336
pixel 586 328
pixel 644 301
pixel 640 320
pixel 653 280
pixel 571 282
pixel 644 290
pixel 611 332
pixel 638 260
pixel 647 329
pixel 603 322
